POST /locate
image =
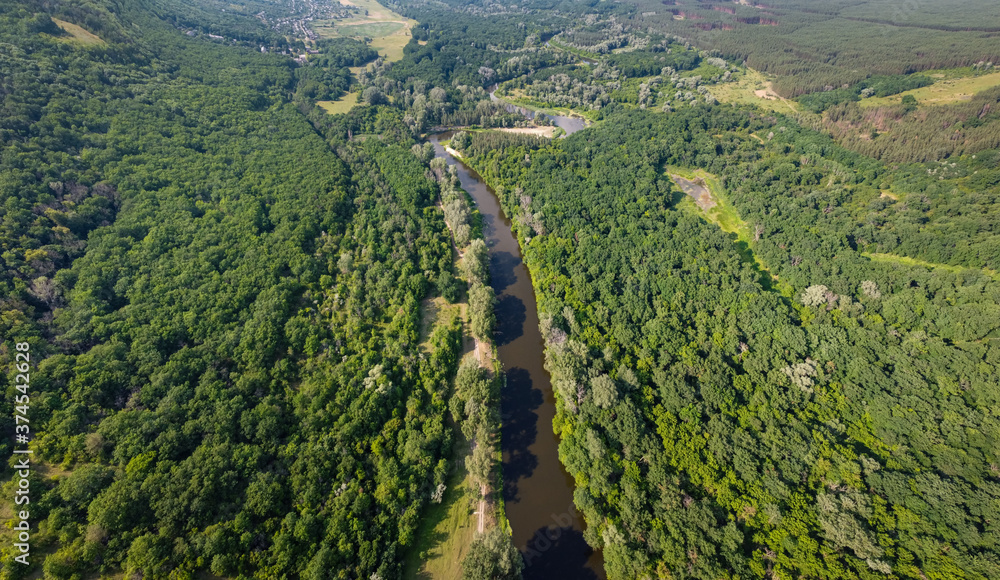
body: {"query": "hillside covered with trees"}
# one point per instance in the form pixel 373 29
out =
pixel 813 46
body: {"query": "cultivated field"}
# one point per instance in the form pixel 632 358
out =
pixel 389 32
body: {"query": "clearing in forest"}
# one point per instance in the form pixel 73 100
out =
pixel 446 529
pixel 80 35
pixel 943 92
pixel 753 89
pixel 341 105
pixel 388 31
pixel 708 194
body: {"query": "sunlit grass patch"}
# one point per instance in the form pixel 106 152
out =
pixel 80 35
pixel 341 105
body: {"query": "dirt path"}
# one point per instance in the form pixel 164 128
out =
pixel 482 506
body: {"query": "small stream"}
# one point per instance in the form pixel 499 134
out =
pixel 538 492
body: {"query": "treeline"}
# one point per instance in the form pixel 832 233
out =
pixel 342 52
pixel 466 228
pixel 234 22
pixel 482 142
pixel 326 76
pixel 423 106
pixel 644 63
pixel 475 402
pixel 462 48
pixel 826 417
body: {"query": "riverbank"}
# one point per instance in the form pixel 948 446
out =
pixel 469 506
pixel 538 107
pixel 537 491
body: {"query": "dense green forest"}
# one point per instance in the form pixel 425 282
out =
pixel 830 416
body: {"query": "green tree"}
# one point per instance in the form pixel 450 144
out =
pixel 492 556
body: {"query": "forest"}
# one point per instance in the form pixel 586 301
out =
pixel 222 285
pixel 814 47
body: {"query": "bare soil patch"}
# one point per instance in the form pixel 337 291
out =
pixel 697 190
pixel 548 132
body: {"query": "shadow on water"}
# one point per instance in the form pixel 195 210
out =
pixel 518 402
pixel 511 315
pixel 502 273
pixel 551 549
pixel 489 225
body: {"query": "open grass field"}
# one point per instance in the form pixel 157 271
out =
pixel 80 35
pixel 341 105
pixel 389 32
pixel 946 90
pixel 446 529
pixel 754 89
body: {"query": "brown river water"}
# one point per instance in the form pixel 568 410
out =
pixel 538 492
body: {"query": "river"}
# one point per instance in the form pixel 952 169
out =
pixel 538 492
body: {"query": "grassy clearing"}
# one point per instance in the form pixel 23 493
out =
pixel 722 212
pixel 908 261
pixel 389 32
pixel 80 35
pixel 436 312
pixel 446 529
pixel 372 29
pixel 943 92
pixel 754 89
pixel 341 105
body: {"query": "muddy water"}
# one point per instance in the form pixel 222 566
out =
pixel 538 493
